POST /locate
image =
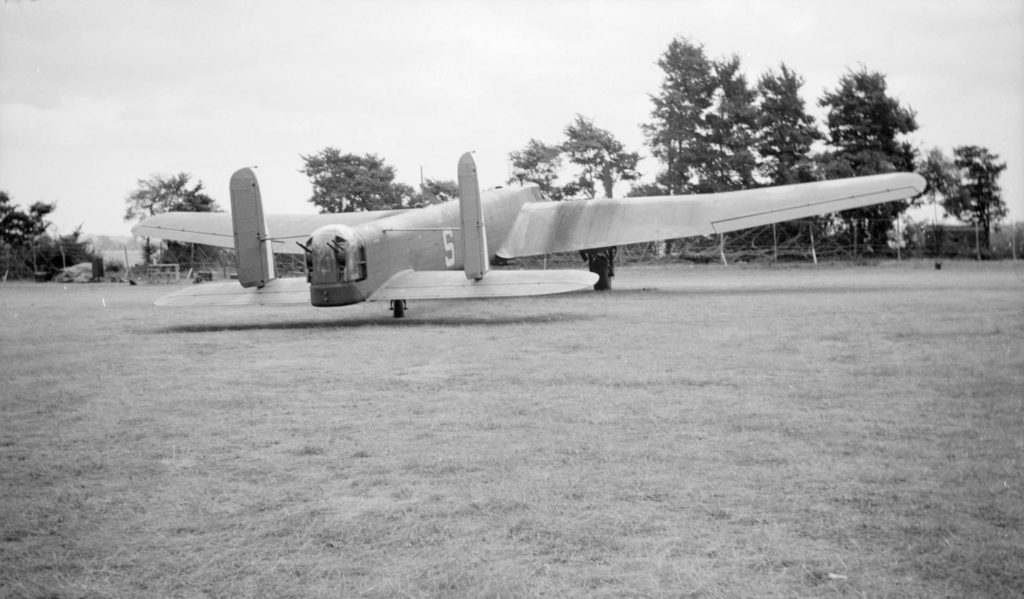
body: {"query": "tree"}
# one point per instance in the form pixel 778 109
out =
pixel 641 190
pixel 785 132
pixel 978 198
pixel 159 194
pixel 943 179
pixel 22 234
pixel 434 191
pixel 20 228
pixel 677 134
pixel 538 163
pixel 351 183
pixel 26 248
pixel 729 161
pixel 600 156
pixel 704 122
pixel 865 126
pixel 941 174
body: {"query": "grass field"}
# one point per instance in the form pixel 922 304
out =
pixel 698 432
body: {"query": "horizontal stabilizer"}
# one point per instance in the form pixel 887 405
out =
pixel 547 227
pixel 278 291
pixel 452 284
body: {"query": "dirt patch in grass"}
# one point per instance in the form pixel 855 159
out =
pixel 699 431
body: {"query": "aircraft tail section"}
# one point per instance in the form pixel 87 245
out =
pixel 474 235
pixel 478 280
pixel 252 243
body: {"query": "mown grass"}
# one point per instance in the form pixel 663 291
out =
pixel 704 432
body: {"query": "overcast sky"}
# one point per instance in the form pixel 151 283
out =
pixel 97 94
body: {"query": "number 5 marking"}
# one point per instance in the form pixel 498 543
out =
pixel 448 239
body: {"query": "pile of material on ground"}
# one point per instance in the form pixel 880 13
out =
pixel 79 273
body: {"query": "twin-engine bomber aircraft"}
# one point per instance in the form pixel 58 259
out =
pixel 444 251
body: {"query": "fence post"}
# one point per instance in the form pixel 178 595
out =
pixel 977 242
pixel 899 240
pixel 1013 240
pixel 775 244
pixel 814 253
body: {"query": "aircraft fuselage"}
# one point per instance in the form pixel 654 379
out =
pixel 346 264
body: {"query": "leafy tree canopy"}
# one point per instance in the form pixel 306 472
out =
pixel 678 131
pixel 978 198
pixel 730 161
pixel 865 128
pixel 20 227
pixel 352 183
pixel 785 132
pixel 600 156
pixel 159 194
pixel 704 122
pixel 434 191
pixel 641 190
pixel 538 163
pixel 941 174
pixel 865 124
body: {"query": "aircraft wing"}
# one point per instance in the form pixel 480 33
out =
pixel 453 284
pixel 547 227
pixel 214 228
pixel 294 290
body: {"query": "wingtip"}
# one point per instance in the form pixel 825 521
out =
pixel 919 184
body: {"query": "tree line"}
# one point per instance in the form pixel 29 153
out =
pixel 710 130
pixel 28 249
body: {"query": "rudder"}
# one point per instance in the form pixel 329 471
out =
pixel 474 234
pixel 254 256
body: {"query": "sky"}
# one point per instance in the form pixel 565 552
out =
pixel 97 94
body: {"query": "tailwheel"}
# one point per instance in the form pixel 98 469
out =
pixel 398 308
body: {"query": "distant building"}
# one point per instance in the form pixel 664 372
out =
pixel 952 241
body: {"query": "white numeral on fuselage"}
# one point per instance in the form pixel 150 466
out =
pixel 448 239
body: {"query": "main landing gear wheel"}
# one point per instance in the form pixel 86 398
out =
pixel 398 308
pixel 601 266
pixel 601 261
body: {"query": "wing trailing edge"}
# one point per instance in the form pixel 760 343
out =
pixel 275 292
pixel 548 227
